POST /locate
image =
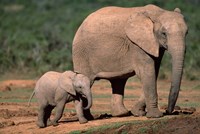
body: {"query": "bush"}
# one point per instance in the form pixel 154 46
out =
pixel 37 34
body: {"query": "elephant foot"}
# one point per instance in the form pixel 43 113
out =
pixel 55 124
pixel 82 120
pixel 49 123
pixel 117 106
pixel 139 109
pixel 40 124
pixel 119 111
pixel 52 123
pixel 154 113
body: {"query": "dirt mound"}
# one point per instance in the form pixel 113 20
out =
pixel 177 125
pixel 183 125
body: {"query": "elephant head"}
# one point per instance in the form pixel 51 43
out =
pixel 155 28
pixel 75 84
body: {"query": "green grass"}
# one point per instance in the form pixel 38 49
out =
pixel 183 104
pixel 100 128
pixel 17 92
pixel 129 124
pixel 197 87
pixel 17 95
pixel 130 96
pixel 189 104
pixel 101 96
pixel 132 87
pixel 109 96
pixel 36 36
pixel 143 130
pixel 14 100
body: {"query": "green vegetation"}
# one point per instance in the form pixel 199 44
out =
pixel 140 127
pixel 109 96
pixel 16 95
pixel 197 87
pixel 102 96
pixel 101 128
pixel 189 104
pixel 37 34
pixel 14 100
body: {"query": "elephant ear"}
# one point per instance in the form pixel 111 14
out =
pixel 66 82
pixel 140 30
pixel 178 10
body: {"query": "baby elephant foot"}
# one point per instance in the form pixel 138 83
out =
pixel 54 123
pixel 82 120
pixel 40 124
pixel 49 123
pixel 154 113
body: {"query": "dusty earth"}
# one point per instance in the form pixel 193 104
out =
pixel 17 117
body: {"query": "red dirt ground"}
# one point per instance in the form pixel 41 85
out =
pixel 16 117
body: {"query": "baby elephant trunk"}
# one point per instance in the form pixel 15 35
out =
pixel 89 101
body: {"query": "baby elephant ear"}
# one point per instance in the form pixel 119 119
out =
pixel 140 30
pixel 66 82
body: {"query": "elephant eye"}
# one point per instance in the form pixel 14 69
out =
pixel 164 34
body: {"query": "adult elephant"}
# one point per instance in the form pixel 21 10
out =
pixel 115 43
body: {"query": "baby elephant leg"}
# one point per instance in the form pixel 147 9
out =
pixel 42 115
pixel 48 111
pixel 59 111
pixel 79 111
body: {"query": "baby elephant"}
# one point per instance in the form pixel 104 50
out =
pixel 55 89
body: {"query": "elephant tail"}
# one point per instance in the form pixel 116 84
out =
pixel 31 98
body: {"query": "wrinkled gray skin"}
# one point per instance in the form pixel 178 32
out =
pixel 55 89
pixel 116 43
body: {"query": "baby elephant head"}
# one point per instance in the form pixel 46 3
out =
pixel 75 84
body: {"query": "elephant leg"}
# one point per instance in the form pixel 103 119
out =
pixel 148 78
pixel 59 111
pixel 117 104
pixel 48 111
pixel 79 111
pixel 41 116
pixel 139 108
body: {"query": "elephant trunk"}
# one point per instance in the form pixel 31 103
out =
pixel 89 100
pixel 177 52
